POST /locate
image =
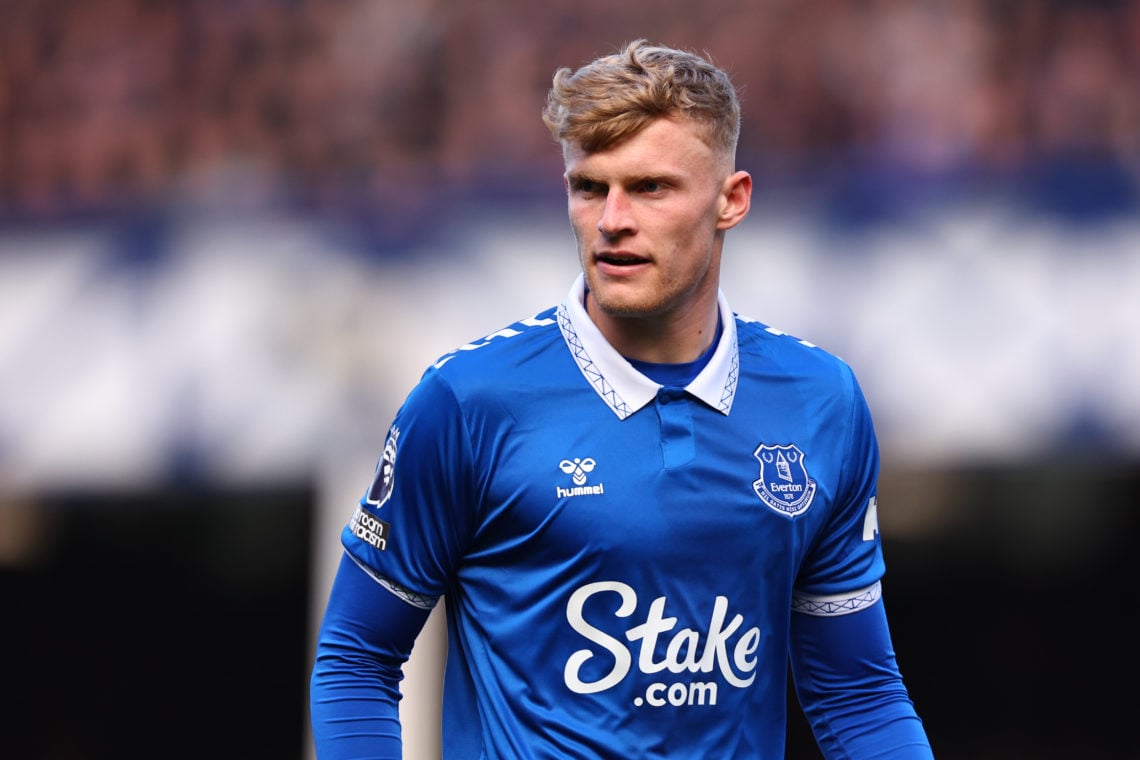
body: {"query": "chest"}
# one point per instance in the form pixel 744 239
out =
pixel 676 483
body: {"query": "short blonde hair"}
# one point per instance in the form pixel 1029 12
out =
pixel 616 96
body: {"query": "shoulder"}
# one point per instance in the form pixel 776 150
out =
pixel 519 347
pixel 486 376
pixel 768 349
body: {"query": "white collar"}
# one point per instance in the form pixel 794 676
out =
pixel 621 386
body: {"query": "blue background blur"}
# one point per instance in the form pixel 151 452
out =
pixel 234 232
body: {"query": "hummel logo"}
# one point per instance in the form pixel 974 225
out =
pixel 578 468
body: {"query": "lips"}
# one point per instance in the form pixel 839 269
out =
pixel 620 258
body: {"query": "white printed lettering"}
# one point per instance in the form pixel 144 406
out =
pixel 726 648
pixel 622 659
pixel 871 520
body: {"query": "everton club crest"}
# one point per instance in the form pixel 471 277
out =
pixel 784 483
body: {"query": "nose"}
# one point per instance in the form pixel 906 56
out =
pixel 617 214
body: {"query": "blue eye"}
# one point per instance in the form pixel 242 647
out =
pixel 586 186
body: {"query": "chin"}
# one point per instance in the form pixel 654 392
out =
pixel 626 308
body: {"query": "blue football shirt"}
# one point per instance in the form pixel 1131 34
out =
pixel 621 560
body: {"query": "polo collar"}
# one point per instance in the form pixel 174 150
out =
pixel 623 388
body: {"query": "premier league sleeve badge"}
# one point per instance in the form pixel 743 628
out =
pixel 382 480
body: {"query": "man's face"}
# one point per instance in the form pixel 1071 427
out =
pixel 647 218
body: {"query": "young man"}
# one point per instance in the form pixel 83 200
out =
pixel 638 504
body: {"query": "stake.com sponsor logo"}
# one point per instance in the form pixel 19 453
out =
pixel 735 661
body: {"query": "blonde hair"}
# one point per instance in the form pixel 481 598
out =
pixel 616 96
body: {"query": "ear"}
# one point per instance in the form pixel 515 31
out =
pixel 735 200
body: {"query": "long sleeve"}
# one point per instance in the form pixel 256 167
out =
pixel 365 638
pixel 849 686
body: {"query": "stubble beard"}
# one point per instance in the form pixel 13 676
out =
pixel 637 305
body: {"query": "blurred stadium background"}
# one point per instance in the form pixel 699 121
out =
pixel 234 232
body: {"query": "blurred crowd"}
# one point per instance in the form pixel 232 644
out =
pixel 385 107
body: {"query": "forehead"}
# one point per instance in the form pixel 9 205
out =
pixel 668 145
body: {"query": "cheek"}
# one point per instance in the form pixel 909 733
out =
pixel 692 232
pixel 577 211
pixel 580 232
pixel 583 236
pixel 580 218
pixel 693 248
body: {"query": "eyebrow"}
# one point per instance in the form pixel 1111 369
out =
pixel 575 178
pixel 578 177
